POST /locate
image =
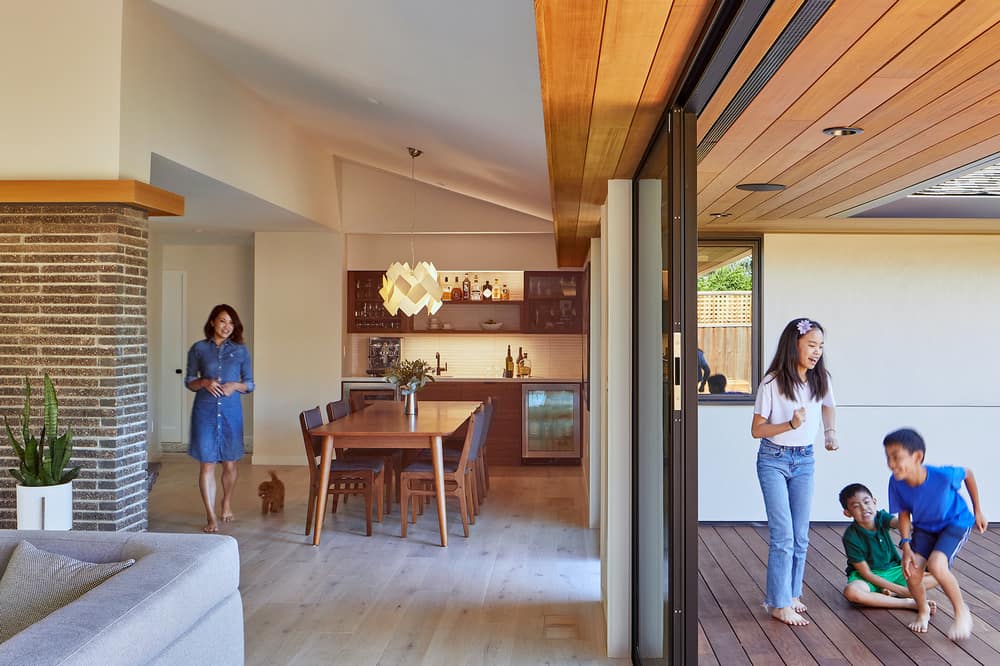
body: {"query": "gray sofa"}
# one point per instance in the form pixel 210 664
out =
pixel 178 604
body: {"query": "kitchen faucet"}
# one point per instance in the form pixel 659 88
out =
pixel 438 369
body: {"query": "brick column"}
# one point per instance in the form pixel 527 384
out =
pixel 73 304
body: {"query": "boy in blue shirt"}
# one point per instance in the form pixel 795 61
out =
pixel 934 523
pixel 874 568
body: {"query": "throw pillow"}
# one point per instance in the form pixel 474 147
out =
pixel 38 582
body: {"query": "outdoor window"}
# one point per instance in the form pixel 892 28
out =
pixel 728 306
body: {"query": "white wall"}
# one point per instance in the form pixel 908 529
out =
pixel 177 103
pixel 60 63
pixel 215 274
pixel 455 252
pixel 298 309
pixel 911 326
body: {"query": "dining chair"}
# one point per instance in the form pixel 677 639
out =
pixel 347 477
pixel 477 459
pixel 417 479
pixel 338 409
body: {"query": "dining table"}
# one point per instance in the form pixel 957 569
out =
pixel 383 425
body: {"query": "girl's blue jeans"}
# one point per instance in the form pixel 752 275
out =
pixel 786 480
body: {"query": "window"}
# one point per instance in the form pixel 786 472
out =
pixel 728 307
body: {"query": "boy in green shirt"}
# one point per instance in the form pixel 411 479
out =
pixel 874 567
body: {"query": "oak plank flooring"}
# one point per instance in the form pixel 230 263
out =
pixel 732 621
pixel 524 588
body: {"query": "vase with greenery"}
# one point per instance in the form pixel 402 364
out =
pixel 410 377
pixel 43 463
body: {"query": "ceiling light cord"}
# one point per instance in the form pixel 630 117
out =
pixel 414 154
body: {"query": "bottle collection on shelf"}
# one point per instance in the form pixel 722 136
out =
pixel 522 366
pixel 471 291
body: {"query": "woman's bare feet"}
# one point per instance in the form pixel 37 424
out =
pixel 788 616
pixel 227 514
pixel 961 628
pixel 210 527
pixel 798 606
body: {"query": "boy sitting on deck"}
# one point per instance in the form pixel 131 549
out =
pixel 874 567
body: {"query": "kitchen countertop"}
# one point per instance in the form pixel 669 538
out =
pixel 449 378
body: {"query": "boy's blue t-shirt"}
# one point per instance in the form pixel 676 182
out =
pixel 934 504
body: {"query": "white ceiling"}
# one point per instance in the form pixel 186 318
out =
pixel 455 78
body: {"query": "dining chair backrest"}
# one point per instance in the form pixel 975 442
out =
pixel 309 419
pixel 336 410
pixel 474 436
pixel 358 401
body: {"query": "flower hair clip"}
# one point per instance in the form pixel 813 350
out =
pixel 804 326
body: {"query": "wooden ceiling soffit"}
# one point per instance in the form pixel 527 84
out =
pixel 154 200
pixel 608 69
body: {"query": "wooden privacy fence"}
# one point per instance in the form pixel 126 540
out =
pixel 724 334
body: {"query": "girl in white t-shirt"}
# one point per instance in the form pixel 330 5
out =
pixel 794 398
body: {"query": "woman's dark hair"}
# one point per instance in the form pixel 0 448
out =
pixel 237 335
pixel 908 438
pixel 850 491
pixel 785 365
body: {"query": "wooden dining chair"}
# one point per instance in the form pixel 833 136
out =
pixel 417 480
pixel 338 409
pixel 347 477
pixel 477 459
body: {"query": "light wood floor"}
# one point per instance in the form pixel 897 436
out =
pixel 523 589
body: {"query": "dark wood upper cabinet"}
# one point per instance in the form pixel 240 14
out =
pixel 553 302
pixel 365 311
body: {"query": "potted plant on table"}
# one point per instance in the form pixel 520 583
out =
pixel 410 377
pixel 44 485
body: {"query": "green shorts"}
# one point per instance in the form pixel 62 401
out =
pixel 893 574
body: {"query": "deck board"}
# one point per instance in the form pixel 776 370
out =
pixel 734 627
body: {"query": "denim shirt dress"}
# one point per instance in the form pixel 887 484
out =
pixel 217 423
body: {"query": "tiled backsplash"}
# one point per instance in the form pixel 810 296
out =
pixel 479 355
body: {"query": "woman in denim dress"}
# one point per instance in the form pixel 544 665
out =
pixel 218 370
pixel 792 400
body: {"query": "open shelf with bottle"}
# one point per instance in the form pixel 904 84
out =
pixel 365 311
pixel 469 317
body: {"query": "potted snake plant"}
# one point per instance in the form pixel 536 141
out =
pixel 44 485
pixel 410 377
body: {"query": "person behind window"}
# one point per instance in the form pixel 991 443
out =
pixel 794 401
pixel 703 371
pixel 717 384
pixel 218 370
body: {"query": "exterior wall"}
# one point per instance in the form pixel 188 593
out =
pixel 911 324
pixel 298 321
pixel 74 305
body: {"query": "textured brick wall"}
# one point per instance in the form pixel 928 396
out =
pixel 73 304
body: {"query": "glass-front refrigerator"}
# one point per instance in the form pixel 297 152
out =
pixel 551 421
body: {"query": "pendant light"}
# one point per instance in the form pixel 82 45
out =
pixel 411 289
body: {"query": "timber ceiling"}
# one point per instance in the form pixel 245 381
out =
pixel 920 77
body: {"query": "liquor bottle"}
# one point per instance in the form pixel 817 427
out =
pixel 508 368
pixel 445 290
pixel 525 366
pixel 456 291
pixel 487 291
pixel 477 292
pixel 520 360
pixel 504 293
pixel 466 288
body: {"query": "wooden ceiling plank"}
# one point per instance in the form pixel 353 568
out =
pixel 764 36
pixel 841 26
pixel 569 43
pixel 834 98
pixel 950 153
pixel 684 24
pixel 632 32
pixel 958 82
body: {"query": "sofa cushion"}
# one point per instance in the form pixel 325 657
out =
pixel 37 582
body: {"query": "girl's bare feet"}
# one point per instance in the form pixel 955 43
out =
pixel 961 628
pixel 798 606
pixel 932 604
pixel 788 616
pixel 920 624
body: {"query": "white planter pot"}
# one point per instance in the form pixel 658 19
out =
pixel 45 507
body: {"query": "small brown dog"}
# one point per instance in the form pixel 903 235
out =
pixel 272 494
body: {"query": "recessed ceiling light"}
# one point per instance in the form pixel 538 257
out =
pixel 720 215
pixel 842 131
pixel 760 187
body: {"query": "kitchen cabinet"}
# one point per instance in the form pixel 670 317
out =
pixel 365 311
pixel 504 439
pixel 553 302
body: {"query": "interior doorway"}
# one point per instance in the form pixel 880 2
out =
pixel 173 324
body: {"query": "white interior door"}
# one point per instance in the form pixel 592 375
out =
pixel 173 417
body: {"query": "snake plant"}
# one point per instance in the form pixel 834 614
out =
pixel 43 460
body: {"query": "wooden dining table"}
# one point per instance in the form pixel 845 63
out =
pixel 383 425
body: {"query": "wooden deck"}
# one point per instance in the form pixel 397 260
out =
pixel 734 627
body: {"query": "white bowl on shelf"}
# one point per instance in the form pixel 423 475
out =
pixel 491 326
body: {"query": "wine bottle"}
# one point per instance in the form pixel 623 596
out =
pixel 520 359
pixel 508 370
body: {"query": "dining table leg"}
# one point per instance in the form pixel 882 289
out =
pixel 437 459
pixel 326 461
